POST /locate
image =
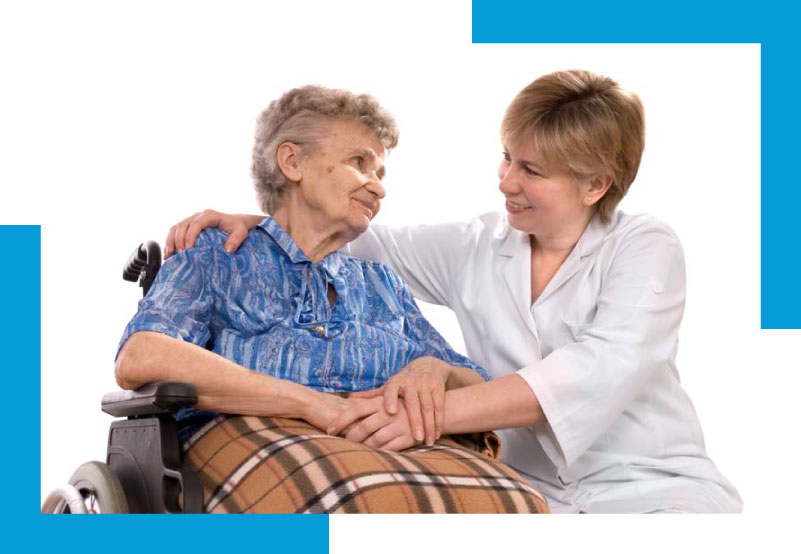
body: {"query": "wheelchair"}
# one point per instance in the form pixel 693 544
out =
pixel 142 472
pixel 143 468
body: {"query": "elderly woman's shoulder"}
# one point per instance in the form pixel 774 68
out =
pixel 212 238
pixel 373 272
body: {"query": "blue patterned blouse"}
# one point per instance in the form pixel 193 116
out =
pixel 265 308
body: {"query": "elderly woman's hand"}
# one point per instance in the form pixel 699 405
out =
pixel 369 423
pixel 182 235
pixel 328 408
pixel 422 385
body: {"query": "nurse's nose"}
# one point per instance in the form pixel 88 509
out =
pixel 508 182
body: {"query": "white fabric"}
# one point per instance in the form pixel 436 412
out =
pixel 598 349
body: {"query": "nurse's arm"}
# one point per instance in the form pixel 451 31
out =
pixel 222 385
pixel 499 404
pixel 502 403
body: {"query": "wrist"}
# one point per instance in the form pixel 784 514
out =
pixel 307 402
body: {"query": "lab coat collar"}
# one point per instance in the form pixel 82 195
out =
pixel 513 241
pixel 515 244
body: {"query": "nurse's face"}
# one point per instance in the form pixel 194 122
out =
pixel 540 200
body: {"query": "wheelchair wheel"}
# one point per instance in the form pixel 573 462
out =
pixel 101 490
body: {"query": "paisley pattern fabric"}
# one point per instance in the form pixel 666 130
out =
pixel 265 307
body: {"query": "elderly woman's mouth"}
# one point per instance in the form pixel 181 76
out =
pixel 369 206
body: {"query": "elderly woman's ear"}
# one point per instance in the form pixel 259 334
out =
pixel 288 158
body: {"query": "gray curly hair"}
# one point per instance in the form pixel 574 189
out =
pixel 300 116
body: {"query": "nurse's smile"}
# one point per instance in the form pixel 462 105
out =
pixel 516 208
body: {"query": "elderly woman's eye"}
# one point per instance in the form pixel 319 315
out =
pixel 359 161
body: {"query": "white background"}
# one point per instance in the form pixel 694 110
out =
pixel 118 120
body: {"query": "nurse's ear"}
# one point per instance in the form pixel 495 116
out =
pixel 595 188
pixel 288 158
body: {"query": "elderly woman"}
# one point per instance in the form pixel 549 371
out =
pixel 573 306
pixel 287 320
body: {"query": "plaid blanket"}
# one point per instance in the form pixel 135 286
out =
pixel 274 465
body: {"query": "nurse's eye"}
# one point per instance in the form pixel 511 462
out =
pixel 531 172
pixel 507 157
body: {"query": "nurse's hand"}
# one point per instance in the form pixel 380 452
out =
pixel 422 385
pixel 182 235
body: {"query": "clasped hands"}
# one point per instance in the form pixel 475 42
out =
pixel 408 409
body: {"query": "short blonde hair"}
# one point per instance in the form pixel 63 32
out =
pixel 302 116
pixel 583 123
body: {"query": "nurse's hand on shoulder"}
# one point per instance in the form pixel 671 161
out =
pixel 183 234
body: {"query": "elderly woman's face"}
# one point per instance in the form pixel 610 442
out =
pixel 341 181
pixel 539 200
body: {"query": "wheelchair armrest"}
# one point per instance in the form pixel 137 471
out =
pixel 156 398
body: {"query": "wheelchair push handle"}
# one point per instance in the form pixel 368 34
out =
pixel 143 265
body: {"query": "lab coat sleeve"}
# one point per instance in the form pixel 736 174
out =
pixel 428 257
pixel 584 385
pixel 421 332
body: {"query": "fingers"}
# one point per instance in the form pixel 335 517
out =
pixel 184 234
pixel 367 427
pixel 348 417
pixel 391 392
pixel 342 421
pixel 412 402
pixel 439 410
pixel 398 443
pixel 386 435
pixel 427 410
pixel 202 220
pixel 235 238
pixel 175 237
pixel 180 233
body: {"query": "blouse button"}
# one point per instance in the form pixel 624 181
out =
pixel 319 329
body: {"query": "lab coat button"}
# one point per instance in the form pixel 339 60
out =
pixel 656 286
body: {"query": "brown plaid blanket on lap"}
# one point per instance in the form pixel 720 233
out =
pixel 274 465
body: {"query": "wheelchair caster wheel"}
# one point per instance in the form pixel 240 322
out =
pixel 100 489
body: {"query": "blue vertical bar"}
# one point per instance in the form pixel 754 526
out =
pixel 20 345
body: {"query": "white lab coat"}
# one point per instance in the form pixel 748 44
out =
pixel 598 348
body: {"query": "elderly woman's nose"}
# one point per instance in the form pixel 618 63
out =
pixel 374 185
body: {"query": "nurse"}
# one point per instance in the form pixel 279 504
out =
pixel 573 307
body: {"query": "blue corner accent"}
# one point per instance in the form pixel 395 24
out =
pixel 773 25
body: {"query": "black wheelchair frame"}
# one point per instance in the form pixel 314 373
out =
pixel 143 471
pixel 143 450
